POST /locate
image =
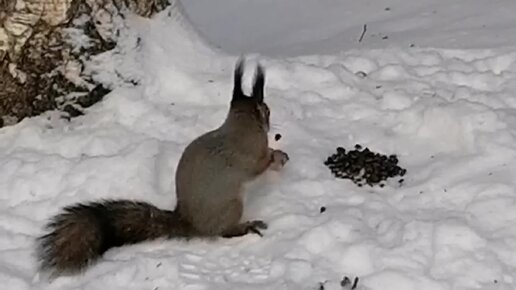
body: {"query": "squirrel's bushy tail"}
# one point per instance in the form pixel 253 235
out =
pixel 81 233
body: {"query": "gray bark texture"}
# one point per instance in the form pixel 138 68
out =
pixel 40 69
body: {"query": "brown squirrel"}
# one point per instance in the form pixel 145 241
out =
pixel 209 182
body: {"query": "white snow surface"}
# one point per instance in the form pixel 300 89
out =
pixel 448 112
pixel 288 27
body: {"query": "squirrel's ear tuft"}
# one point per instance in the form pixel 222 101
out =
pixel 259 83
pixel 237 87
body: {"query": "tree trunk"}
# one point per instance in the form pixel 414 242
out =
pixel 40 68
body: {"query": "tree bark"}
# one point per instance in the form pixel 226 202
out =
pixel 40 67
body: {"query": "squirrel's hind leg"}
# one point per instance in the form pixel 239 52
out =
pixel 224 221
pixel 245 228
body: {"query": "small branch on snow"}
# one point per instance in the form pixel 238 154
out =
pixel 346 282
pixel 363 33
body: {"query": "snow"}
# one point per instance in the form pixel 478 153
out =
pixel 448 110
pixel 288 27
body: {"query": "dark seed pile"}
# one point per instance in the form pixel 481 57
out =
pixel 363 166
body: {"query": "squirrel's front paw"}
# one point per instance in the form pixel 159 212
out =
pixel 279 158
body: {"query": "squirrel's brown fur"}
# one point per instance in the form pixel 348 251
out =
pixel 209 180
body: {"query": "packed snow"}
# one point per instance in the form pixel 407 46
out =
pixel 294 27
pixel 449 114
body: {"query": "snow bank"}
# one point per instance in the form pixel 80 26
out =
pixel 287 27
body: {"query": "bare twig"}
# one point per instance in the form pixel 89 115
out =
pixel 355 283
pixel 363 33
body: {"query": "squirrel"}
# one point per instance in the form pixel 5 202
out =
pixel 209 182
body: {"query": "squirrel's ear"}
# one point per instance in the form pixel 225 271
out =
pixel 237 87
pixel 259 83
